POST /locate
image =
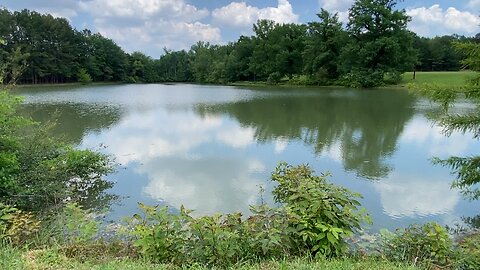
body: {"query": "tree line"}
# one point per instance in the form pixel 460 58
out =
pixel 373 48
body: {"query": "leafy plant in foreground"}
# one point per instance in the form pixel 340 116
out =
pixel 16 226
pixel 428 245
pixel 315 220
pixel 323 214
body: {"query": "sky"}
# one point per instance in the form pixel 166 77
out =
pixel 150 26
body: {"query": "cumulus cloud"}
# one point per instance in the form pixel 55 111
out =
pixel 337 6
pixel 434 20
pixel 474 4
pixel 57 8
pixel 239 14
pixel 173 9
pixel 150 26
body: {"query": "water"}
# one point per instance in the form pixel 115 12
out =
pixel 212 147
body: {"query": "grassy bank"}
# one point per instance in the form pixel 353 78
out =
pixel 447 78
pixel 47 259
pixel 63 85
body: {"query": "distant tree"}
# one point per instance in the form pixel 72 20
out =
pixel 38 172
pixel 174 66
pixel 278 49
pixel 380 45
pixel 201 61
pixel 83 76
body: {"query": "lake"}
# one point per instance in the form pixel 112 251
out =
pixel 211 148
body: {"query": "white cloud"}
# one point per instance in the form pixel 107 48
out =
pixel 59 12
pixel 172 9
pixel 337 6
pixel 149 26
pixel 475 4
pixel 434 20
pixel 239 14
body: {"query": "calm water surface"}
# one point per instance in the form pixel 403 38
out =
pixel 211 147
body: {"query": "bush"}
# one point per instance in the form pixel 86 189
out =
pixel 315 219
pixel 468 251
pixel 39 173
pixel 300 80
pixel 83 76
pixel 427 245
pixel 362 79
pixel 393 77
pixel 274 78
pixel 323 214
pixel 16 226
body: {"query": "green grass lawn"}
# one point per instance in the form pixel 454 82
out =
pixel 447 78
pixel 50 259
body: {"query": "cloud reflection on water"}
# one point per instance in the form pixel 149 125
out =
pixel 165 144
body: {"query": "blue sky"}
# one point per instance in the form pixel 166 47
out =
pixel 151 25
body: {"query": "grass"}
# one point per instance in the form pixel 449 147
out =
pixel 443 78
pixel 46 259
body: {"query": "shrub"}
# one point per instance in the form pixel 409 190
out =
pixel 468 251
pixel 16 226
pixel 315 219
pixel 274 78
pixel 83 76
pixel 323 214
pixel 300 80
pixel 362 79
pixel 393 77
pixel 426 245
pixel 40 173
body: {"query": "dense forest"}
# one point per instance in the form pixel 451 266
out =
pixel 368 51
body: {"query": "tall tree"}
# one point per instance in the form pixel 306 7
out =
pixel 323 46
pixel 380 43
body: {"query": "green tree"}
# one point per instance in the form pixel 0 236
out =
pixel 466 169
pixel 278 49
pixel 323 46
pixel 83 76
pixel 39 172
pixel 380 44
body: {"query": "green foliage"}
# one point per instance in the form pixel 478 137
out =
pixel 315 219
pixel 466 169
pixel 380 43
pixel 438 53
pixel 303 80
pixel 274 78
pixel 79 225
pixel 40 173
pixel 159 235
pixel 360 78
pixel 323 48
pixel 427 245
pixel 323 214
pixel 468 252
pixel 16 226
pixel 83 76
pixel 393 77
